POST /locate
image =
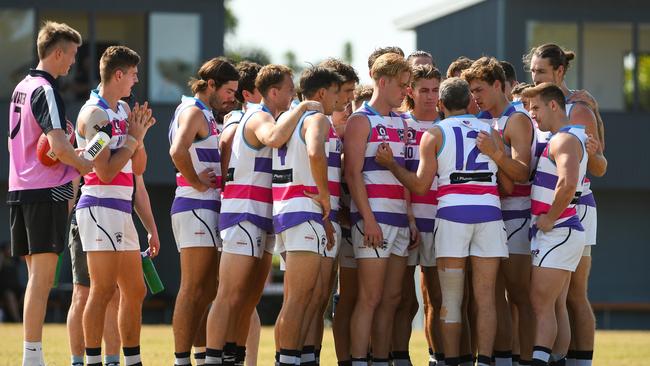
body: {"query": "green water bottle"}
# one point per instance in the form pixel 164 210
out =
pixel 150 273
pixel 57 271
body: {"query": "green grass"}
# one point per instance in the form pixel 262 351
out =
pixel 621 348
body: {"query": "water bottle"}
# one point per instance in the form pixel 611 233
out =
pixel 96 145
pixel 57 271
pixel 150 273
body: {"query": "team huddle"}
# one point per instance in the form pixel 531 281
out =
pixel 478 179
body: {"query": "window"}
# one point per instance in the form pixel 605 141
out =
pixel 173 54
pixel 18 40
pixel 563 34
pixel 605 48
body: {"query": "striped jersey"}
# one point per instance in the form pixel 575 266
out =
pixel 335 148
pixel 467 181
pixel 247 194
pixel 385 192
pixel 204 153
pixel 116 194
pixel 587 197
pixel 424 207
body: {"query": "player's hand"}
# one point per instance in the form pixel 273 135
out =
pixel 592 145
pixel 544 223
pixel 323 199
pixel 373 237
pixel 584 97
pixel 83 166
pixel 207 180
pixel 311 105
pixel 154 244
pixel 140 120
pixel 415 235
pixel 384 155
pixel 486 144
pixel 330 232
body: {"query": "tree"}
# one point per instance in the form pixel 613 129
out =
pixel 230 21
pixel 253 54
pixel 348 53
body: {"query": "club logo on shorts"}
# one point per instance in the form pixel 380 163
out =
pixel 323 241
pixel 534 252
pixel 309 237
pixel 259 241
pixel 118 237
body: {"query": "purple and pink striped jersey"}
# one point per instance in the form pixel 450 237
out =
pixel 385 192
pixel 247 194
pixel 467 181
pixel 424 207
pixel 587 197
pixel 204 154
pixel 545 182
pixel 517 204
pixel 335 146
pixel 291 178
pixel 116 194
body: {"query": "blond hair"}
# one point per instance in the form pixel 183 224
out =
pixel 52 34
pixel 389 65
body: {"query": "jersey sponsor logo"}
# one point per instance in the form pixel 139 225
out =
pixel 381 131
pixel 459 178
pixel 282 176
pixel 400 133
pixel 411 136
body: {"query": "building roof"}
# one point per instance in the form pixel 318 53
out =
pixel 437 10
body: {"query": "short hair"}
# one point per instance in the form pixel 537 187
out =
pixel 455 94
pixel 458 65
pixel 547 92
pixel 420 53
pixel 519 88
pixel 315 78
pixel 346 71
pixel 362 93
pixel 486 69
pixel 382 51
pixel 421 72
pixel 218 69
pixel 247 73
pixel 509 70
pixel 271 76
pixel 52 34
pixel 555 54
pixel 389 65
pixel 116 58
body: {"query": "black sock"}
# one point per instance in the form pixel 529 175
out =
pixel 452 361
pixel 359 361
pixel 182 358
pixel 288 357
pixel 308 356
pixel 94 356
pixel 484 360
pixel 213 357
pixel 380 361
pixel 541 356
pixel 229 350
pixel 240 355
pixel 560 362
pixel 317 354
pixel 345 363
pixel 132 356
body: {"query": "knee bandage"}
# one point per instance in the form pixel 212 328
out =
pixel 452 281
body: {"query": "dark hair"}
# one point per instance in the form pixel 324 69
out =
pixel 458 66
pixel 116 58
pixel 247 73
pixel 218 69
pixel 315 78
pixel 346 71
pixel 509 70
pixel 418 73
pixel 555 54
pixel 547 92
pixel 519 88
pixel 271 76
pixel 420 53
pixel 486 69
pixel 52 34
pixel 362 93
pixel 381 51
pixel 455 94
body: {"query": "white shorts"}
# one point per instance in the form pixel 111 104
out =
pixel 396 241
pixel 425 253
pixel 106 229
pixel 196 228
pixel 589 219
pixel 586 252
pixel 458 240
pixel 332 253
pixel 246 238
pixel 306 237
pixel 517 230
pixel 346 253
pixel 559 248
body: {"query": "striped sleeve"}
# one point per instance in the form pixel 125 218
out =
pixel 48 109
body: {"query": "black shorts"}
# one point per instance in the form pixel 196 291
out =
pixel 78 259
pixel 38 227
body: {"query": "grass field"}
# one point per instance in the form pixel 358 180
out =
pixel 620 348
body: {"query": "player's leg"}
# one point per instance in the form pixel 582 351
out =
pixel 451 274
pixel 516 271
pixel 348 290
pixel 484 274
pixel 404 315
pixel 582 317
pixel 74 322
pixel 503 337
pixel 132 289
pixel 434 298
pixel 111 331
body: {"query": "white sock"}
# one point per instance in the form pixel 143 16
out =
pixel 33 354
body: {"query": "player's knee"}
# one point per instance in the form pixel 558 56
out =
pixel 451 286
pixel 370 299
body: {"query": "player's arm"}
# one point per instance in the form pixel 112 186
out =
pixel 582 115
pixel 586 97
pixel 519 131
pixel 143 209
pixel 566 151
pixel 275 134
pixel 419 182
pixel 190 123
pixel 225 147
pixel 316 130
